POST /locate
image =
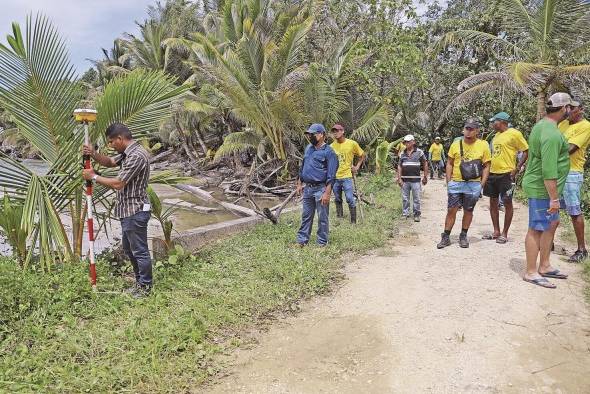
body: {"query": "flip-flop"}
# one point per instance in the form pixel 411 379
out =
pixel 501 240
pixel 490 236
pixel 541 282
pixel 556 274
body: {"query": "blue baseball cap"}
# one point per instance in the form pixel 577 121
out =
pixel 501 116
pixel 316 128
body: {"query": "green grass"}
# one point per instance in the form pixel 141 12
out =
pixel 58 336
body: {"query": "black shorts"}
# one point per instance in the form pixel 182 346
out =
pixel 497 184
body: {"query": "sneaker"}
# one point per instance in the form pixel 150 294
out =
pixel 445 241
pixel 578 257
pixel 130 289
pixel 405 216
pixel 463 242
pixel 417 218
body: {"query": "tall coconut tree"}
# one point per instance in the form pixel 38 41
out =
pixel 38 90
pixel 542 48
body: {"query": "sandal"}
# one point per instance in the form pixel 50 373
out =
pixel 541 282
pixel 501 239
pixel 489 236
pixel 555 274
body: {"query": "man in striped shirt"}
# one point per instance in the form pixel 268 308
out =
pixel 132 204
pixel 411 160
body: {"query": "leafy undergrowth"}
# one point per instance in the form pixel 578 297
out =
pixel 58 336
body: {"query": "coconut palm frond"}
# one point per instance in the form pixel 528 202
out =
pixel 141 100
pixel 482 41
pixel 238 142
pixel 516 17
pixel 36 86
pixel 580 71
pixel 528 74
pixel 471 95
pixel 374 123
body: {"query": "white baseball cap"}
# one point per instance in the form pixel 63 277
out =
pixel 561 99
pixel 408 137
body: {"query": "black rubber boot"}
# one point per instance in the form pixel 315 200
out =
pixel 339 210
pixel 352 215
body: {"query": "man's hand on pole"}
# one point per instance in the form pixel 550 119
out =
pixel 87 174
pixel 88 150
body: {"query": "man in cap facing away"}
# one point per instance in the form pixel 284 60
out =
pixel 468 167
pixel 543 183
pixel 316 179
pixel 408 176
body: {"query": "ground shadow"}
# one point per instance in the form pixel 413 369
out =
pixel 517 265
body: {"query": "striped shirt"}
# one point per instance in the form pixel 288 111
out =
pixel 411 165
pixel 135 172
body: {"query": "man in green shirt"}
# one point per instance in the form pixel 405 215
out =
pixel 543 183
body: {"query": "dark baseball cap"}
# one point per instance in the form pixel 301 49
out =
pixel 316 128
pixel 472 123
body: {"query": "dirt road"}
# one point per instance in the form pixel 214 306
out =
pixel 414 319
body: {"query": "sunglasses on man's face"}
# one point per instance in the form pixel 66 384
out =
pixel 470 128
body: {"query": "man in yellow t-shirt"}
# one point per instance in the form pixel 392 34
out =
pixel 436 156
pixel 576 131
pixel 346 150
pixel 505 147
pixel 475 156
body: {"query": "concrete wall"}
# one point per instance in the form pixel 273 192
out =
pixel 196 238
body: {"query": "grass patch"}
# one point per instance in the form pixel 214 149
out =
pixel 58 336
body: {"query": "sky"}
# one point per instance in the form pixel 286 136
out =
pixel 86 25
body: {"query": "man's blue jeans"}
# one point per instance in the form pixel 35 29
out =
pixel 135 244
pixel 346 185
pixel 311 204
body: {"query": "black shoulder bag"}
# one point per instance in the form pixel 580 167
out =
pixel 471 169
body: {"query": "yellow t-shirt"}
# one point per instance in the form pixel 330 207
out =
pixel 479 150
pixel 400 148
pixel 346 152
pixel 436 150
pixel 505 147
pixel 579 135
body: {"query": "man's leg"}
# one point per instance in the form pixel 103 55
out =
pixel 532 246
pixel 450 218
pixel 406 187
pixel 138 243
pixel 323 218
pixel 337 189
pixel 545 247
pixel 307 215
pixel 578 222
pixel 495 215
pixel 416 190
pixel 441 169
pixel 508 215
pixel 126 226
pixel 348 187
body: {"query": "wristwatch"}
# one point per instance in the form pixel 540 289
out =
pixel 94 177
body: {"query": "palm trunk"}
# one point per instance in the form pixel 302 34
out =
pixel 541 101
pixel 201 141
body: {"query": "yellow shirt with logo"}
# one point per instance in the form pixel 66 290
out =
pixel 577 134
pixel 505 146
pixel 346 152
pixel 479 150
pixel 436 151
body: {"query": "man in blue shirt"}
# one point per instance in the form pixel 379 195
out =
pixel 318 173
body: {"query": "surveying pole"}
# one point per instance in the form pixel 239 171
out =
pixel 86 116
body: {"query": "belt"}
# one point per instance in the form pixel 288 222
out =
pixel 315 183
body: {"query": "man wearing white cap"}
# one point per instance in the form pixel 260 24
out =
pixel 543 183
pixel 576 131
pixel 408 176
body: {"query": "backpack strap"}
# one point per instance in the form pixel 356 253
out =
pixel 461 149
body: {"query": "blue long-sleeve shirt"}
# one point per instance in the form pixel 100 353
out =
pixel 319 165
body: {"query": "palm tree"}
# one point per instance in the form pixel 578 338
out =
pixel 541 49
pixel 38 90
pixel 148 51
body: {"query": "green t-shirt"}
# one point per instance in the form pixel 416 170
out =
pixel 548 159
